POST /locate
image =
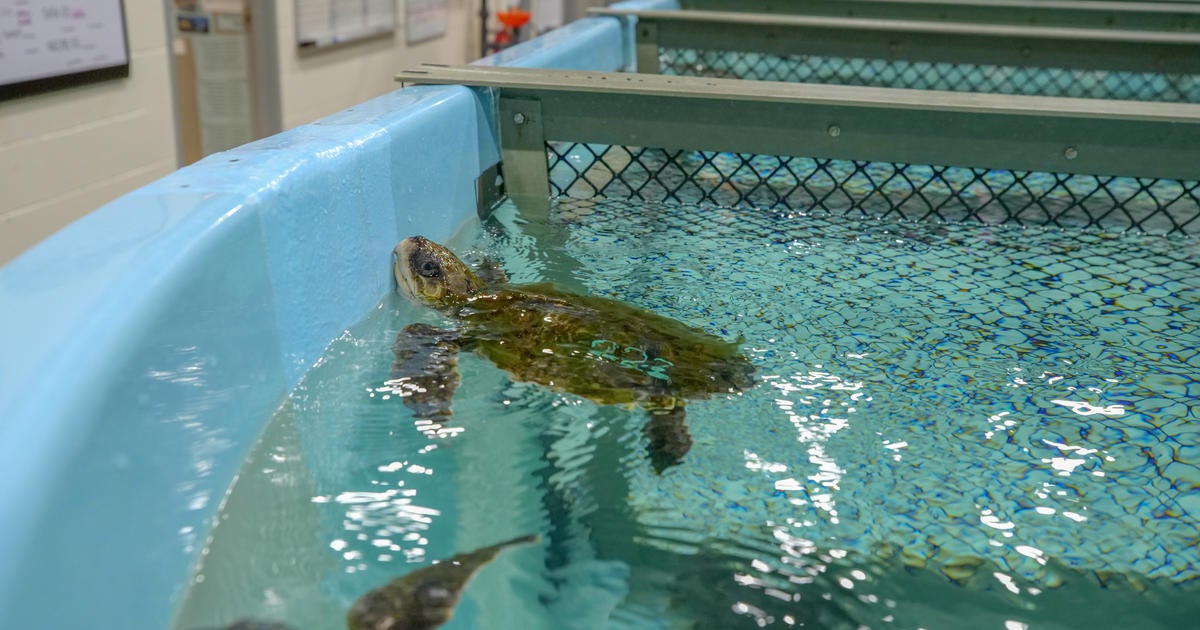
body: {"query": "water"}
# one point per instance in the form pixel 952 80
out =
pixel 955 426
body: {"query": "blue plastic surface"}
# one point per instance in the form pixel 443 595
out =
pixel 145 345
pixel 597 43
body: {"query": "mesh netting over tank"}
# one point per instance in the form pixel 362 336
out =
pixel 925 75
pixel 877 189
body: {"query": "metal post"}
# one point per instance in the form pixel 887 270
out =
pixel 523 155
pixel 647 47
pixel 483 28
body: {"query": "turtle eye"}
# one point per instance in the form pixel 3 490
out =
pixel 429 268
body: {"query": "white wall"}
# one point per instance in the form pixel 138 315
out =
pixel 64 153
pixel 318 83
pixel 547 14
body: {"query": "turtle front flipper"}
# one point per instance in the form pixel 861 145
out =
pixel 491 272
pixel 425 370
pixel 425 598
pixel 668 433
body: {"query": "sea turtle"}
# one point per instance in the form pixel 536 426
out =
pixel 426 597
pixel 600 349
pixel 421 600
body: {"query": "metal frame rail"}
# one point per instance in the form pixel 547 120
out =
pixel 912 40
pixel 1057 135
pixel 1155 16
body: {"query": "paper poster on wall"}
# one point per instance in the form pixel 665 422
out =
pixel 222 91
pixel 48 44
pixel 425 20
pixel 322 23
pixel 213 76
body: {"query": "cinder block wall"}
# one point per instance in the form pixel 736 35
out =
pixel 319 83
pixel 64 153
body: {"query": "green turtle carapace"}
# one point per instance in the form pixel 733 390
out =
pixel 593 347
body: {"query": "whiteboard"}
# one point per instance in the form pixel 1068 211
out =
pixel 425 20
pixel 328 22
pixel 46 44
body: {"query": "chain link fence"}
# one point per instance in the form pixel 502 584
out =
pixel 914 192
pixel 922 75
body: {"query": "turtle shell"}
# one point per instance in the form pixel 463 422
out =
pixel 600 349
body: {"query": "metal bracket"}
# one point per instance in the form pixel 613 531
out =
pixel 1159 16
pixel 523 153
pixel 1057 135
pixel 916 40
pixel 647 47
pixel 489 191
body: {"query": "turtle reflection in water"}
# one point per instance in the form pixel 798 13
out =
pixel 600 349
pixel 421 600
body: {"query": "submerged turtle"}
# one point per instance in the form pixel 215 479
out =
pixel 426 597
pixel 421 600
pixel 593 347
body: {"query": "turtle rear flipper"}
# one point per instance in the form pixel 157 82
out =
pixel 425 370
pixel 256 624
pixel 668 433
pixel 425 598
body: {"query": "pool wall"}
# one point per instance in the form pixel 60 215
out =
pixel 146 344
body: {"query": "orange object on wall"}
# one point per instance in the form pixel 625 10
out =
pixel 513 18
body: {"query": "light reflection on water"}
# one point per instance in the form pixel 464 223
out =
pixel 963 408
pixel 952 428
pixel 188 367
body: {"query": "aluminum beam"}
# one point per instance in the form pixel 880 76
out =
pixel 1064 135
pixel 1156 16
pixel 914 40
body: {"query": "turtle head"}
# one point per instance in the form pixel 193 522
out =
pixel 430 274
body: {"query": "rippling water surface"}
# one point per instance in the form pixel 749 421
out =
pixel 955 426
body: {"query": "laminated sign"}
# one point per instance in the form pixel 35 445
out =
pixel 46 44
